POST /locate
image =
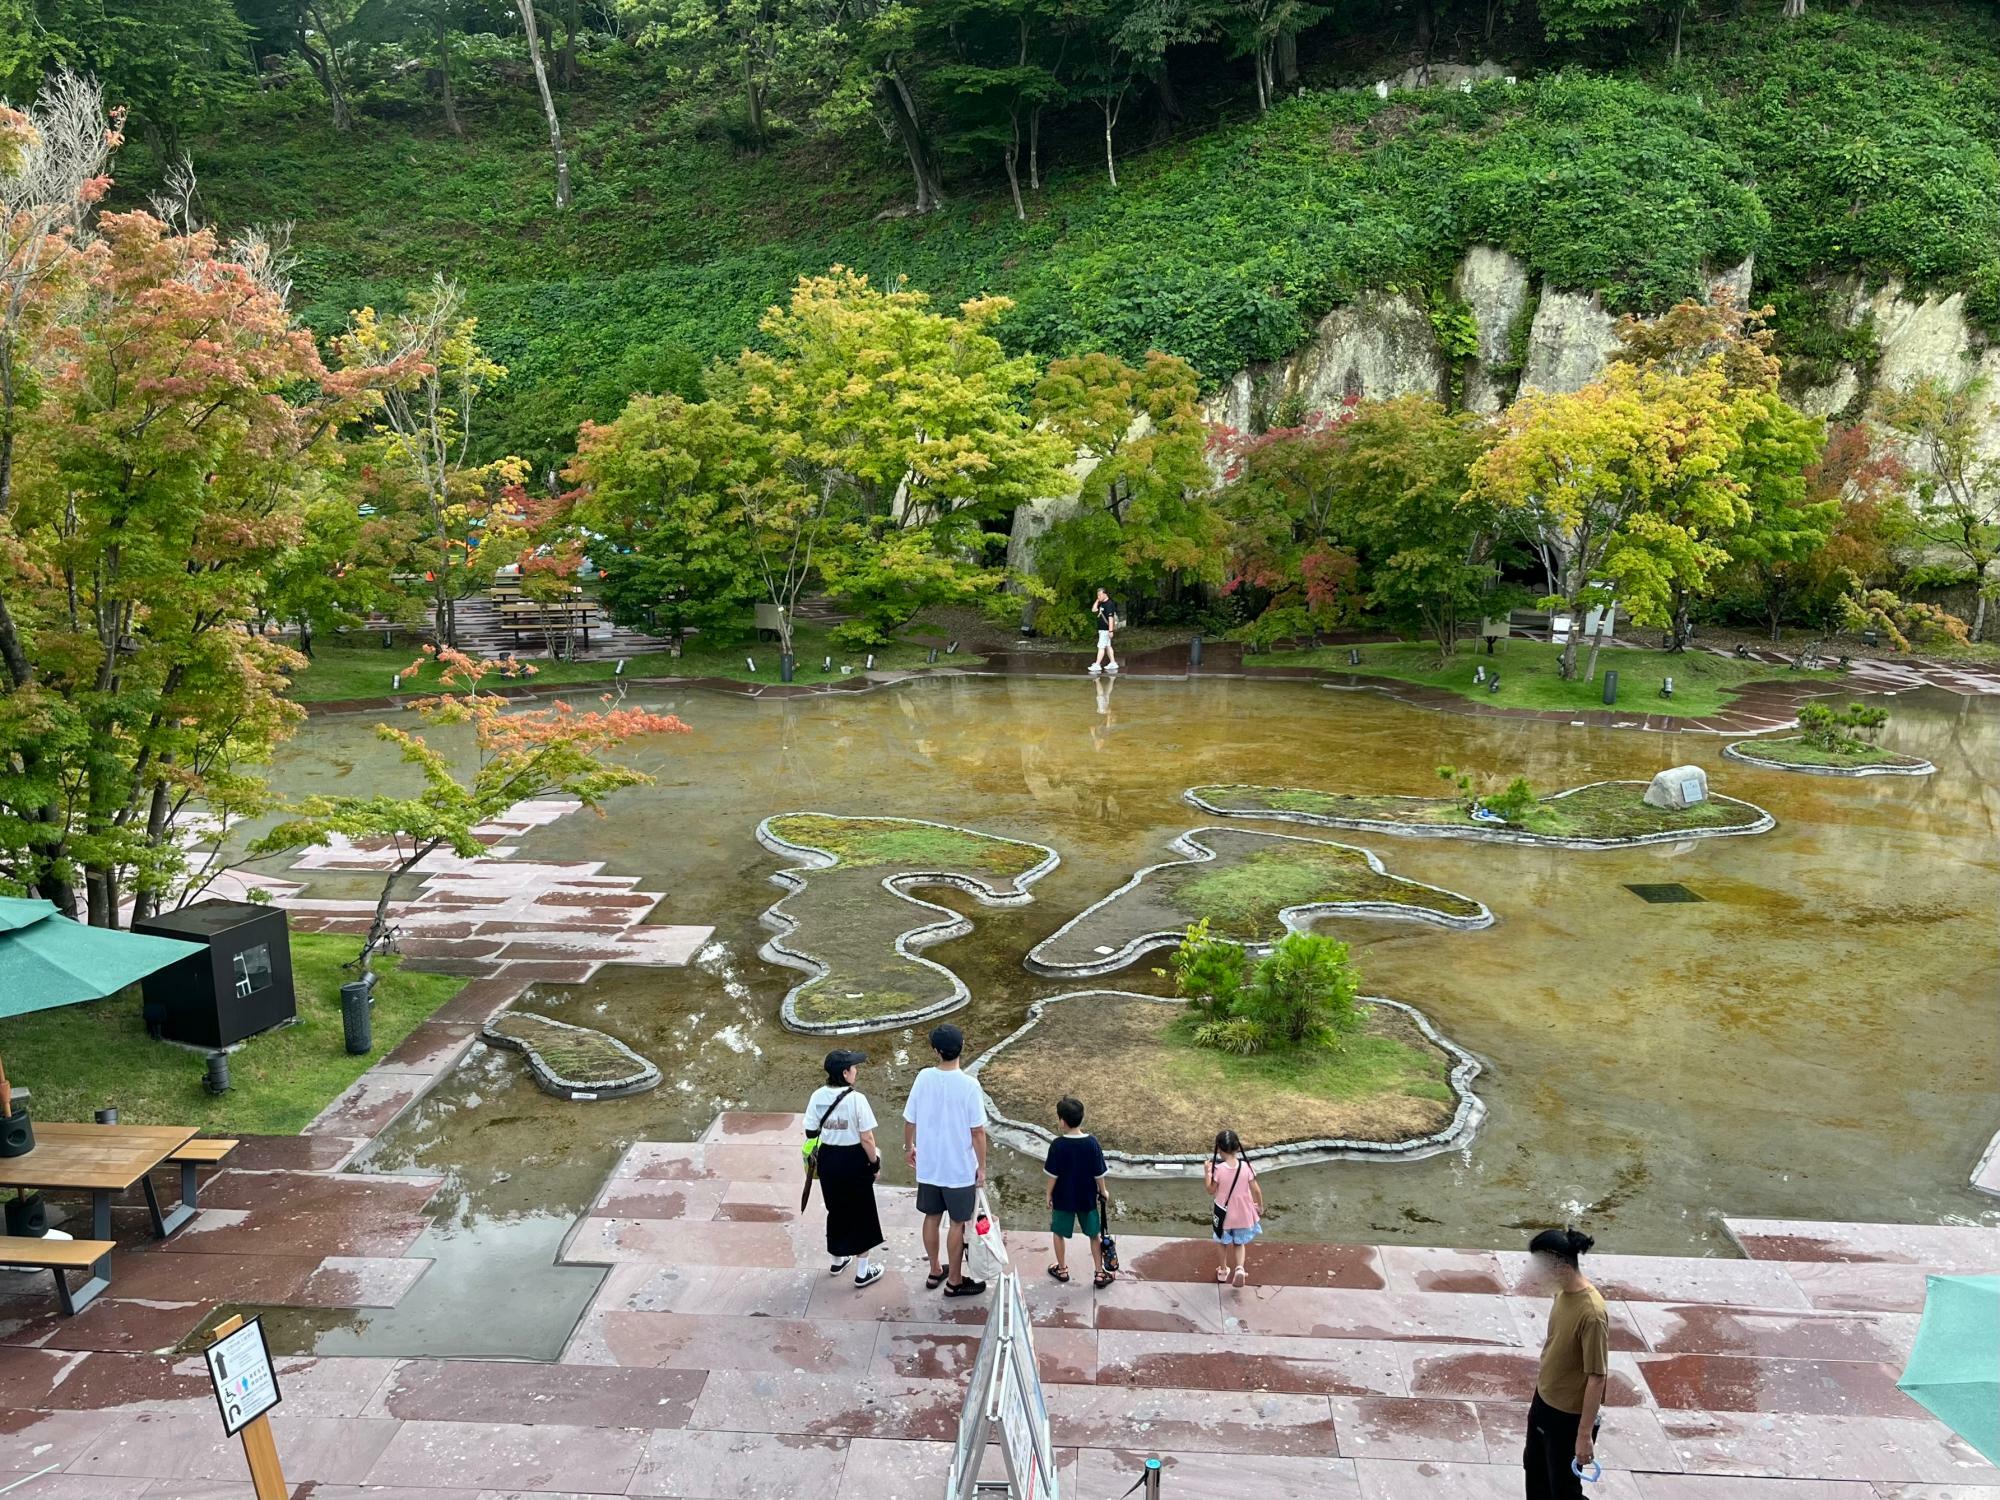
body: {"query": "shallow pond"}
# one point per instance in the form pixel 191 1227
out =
pixel 1813 1038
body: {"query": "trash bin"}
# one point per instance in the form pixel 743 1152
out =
pixel 356 997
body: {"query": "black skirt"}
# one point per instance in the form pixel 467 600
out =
pixel 847 1183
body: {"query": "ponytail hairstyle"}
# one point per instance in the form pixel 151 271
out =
pixel 1565 1245
pixel 1228 1140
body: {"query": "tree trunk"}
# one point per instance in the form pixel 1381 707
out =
pixel 1011 156
pixel 753 101
pixel 527 9
pixel 1979 613
pixel 1035 148
pixel 1680 15
pixel 1286 58
pixel 1262 68
pixel 1110 160
pixel 1794 9
pixel 1170 102
pixel 570 19
pixel 1426 29
pixel 315 60
pixel 895 97
pixel 444 74
pixel 378 929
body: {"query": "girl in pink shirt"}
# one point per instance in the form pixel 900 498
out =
pixel 1239 1207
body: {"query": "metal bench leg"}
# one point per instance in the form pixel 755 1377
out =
pixel 73 1302
pixel 166 1224
pixel 100 1214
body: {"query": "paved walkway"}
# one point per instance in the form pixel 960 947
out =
pixel 720 1360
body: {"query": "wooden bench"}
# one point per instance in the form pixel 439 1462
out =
pixel 61 1257
pixel 190 1158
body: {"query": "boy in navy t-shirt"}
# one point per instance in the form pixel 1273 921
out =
pixel 1075 1169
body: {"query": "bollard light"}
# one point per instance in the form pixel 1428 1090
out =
pixel 619 670
pixel 786 663
pixel 826 665
pixel 1194 650
pixel 933 656
pixel 106 1117
pixel 1667 688
pixel 871 663
pixel 216 1079
pixel 1479 674
pixel 1493 683
pixel 396 683
pixel 1353 657
pixel 952 649
pixel 1610 687
pixel 751 663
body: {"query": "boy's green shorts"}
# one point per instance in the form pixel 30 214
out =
pixel 1065 1222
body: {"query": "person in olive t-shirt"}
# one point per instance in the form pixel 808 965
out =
pixel 1562 1419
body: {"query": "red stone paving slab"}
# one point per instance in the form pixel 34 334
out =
pixel 295 1153
pixel 199 1489
pixel 1050 1304
pixel 29 1376
pixel 1200 1475
pixel 1401 1427
pixel 89 1487
pixel 31 1440
pixel 1789 1445
pixel 1890 1490
pixel 235 1231
pixel 344 1194
pixel 370 1104
pixel 1708 1382
pixel 689 1341
pixel 283 1280
pixel 751 1129
pixel 720 1291
pixel 947 1351
pixel 1880 1287
pixel 1677 1328
pixel 727 1160
pixel 1532 1314
pixel 509 1454
pixel 696 1465
pixel 117 1323
pixel 1737 1487
pixel 605 1241
pixel 637 1198
pixel 1677 1278
pixel 1942 1247
pixel 1311 1312
pixel 830 1406
pixel 1274 1264
pixel 1429 1479
pixel 579 1395
pixel 395 1492
pixel 1247 1362
pixel 552 973
pixel 363 1280
pixel 1161 1307
pixel 431 1047
pixel 898 1297
pixel 1478 1374
pixel 190 1445
pixel 879 1470
pixel 110 1382
pixel 1629 1437
pixel 481 1000
pixel 1419 1268
pixel 1192 1421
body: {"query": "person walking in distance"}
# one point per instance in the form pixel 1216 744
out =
pixel 1106 614
pixel 1562 1419
pixel 944 1137
pixel 840 1135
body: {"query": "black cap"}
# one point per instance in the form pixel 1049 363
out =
pixel 947 1041
pixel 840 1059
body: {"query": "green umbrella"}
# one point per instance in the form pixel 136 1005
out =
pixel 47 960
pixel 1954 1371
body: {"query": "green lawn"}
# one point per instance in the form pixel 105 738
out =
pixel 1703 683
pixel 344 672
pixel 909 845
pixel 1794 751
pixel 82 1058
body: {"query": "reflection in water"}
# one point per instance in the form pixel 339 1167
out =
pixel 1815 1038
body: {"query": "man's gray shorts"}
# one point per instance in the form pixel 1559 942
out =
pixel 956 1201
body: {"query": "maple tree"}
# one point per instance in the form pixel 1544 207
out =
pixel 1957 483
pixel 521 754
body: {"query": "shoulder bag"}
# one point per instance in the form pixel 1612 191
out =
pixel 811 1147
pixel 1220 1213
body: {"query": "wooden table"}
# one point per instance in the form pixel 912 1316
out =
pixel 106 1159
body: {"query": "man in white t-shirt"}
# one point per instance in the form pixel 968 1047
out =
pixel 944 1138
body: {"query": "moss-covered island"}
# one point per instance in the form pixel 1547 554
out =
pixel 1797 753
pixel 1395 1087
pixel 571 1062
pixel 1249 886
pixel 854 924
pixel 1601 815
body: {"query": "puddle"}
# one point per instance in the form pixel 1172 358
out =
pixel 1792 1045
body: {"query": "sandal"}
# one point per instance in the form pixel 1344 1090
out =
pixel 935 1280
pixel 1059 1273
pixel 1242 1278
pixel 1222 1275
pixel 1103 1279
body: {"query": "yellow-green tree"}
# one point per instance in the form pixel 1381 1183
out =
pixel 1622 486
pixel 1957 485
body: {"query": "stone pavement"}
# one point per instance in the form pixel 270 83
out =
pixel 719 1360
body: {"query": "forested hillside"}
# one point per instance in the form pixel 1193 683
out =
pixel 1847 139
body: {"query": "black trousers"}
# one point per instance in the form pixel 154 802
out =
pixel 1551 1446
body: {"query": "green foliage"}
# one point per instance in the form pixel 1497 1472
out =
pixel 897 843
pixel 1514 804
pixel 1829 730
pixel 1298 997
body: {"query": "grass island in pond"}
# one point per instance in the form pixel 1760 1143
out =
pixel 1392 1088
pixel 1603 814
pixel 1796 753
pixel 853 921
pixel 1252 887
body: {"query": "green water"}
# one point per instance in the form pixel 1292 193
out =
pixel 1814 1039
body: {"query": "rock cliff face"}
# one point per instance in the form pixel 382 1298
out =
pixel 1383 344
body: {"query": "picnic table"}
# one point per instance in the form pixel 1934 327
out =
pixel 522 616
pixel 105 1159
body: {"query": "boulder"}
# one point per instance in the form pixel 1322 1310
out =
pixel 1494 285
pixel 1678 788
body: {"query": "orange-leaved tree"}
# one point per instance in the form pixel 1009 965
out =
pixel 554 751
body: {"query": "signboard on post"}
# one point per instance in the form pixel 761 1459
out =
pixel 1004 1402
pixel 246 1388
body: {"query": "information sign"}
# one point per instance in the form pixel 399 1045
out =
pixel 239 1367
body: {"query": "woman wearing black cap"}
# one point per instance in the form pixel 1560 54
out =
pixel 839 1117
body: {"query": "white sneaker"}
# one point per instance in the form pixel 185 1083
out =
pixel 1093 669
pixel 1112 668
pixel 868 1277
pixel 838 1266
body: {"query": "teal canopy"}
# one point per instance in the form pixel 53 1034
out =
pixel 1954 1371
pixel 47 960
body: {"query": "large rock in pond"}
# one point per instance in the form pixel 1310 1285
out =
pixel 1678 788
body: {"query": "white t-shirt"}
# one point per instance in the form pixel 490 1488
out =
pixel 845 1125
pixel 946 1106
